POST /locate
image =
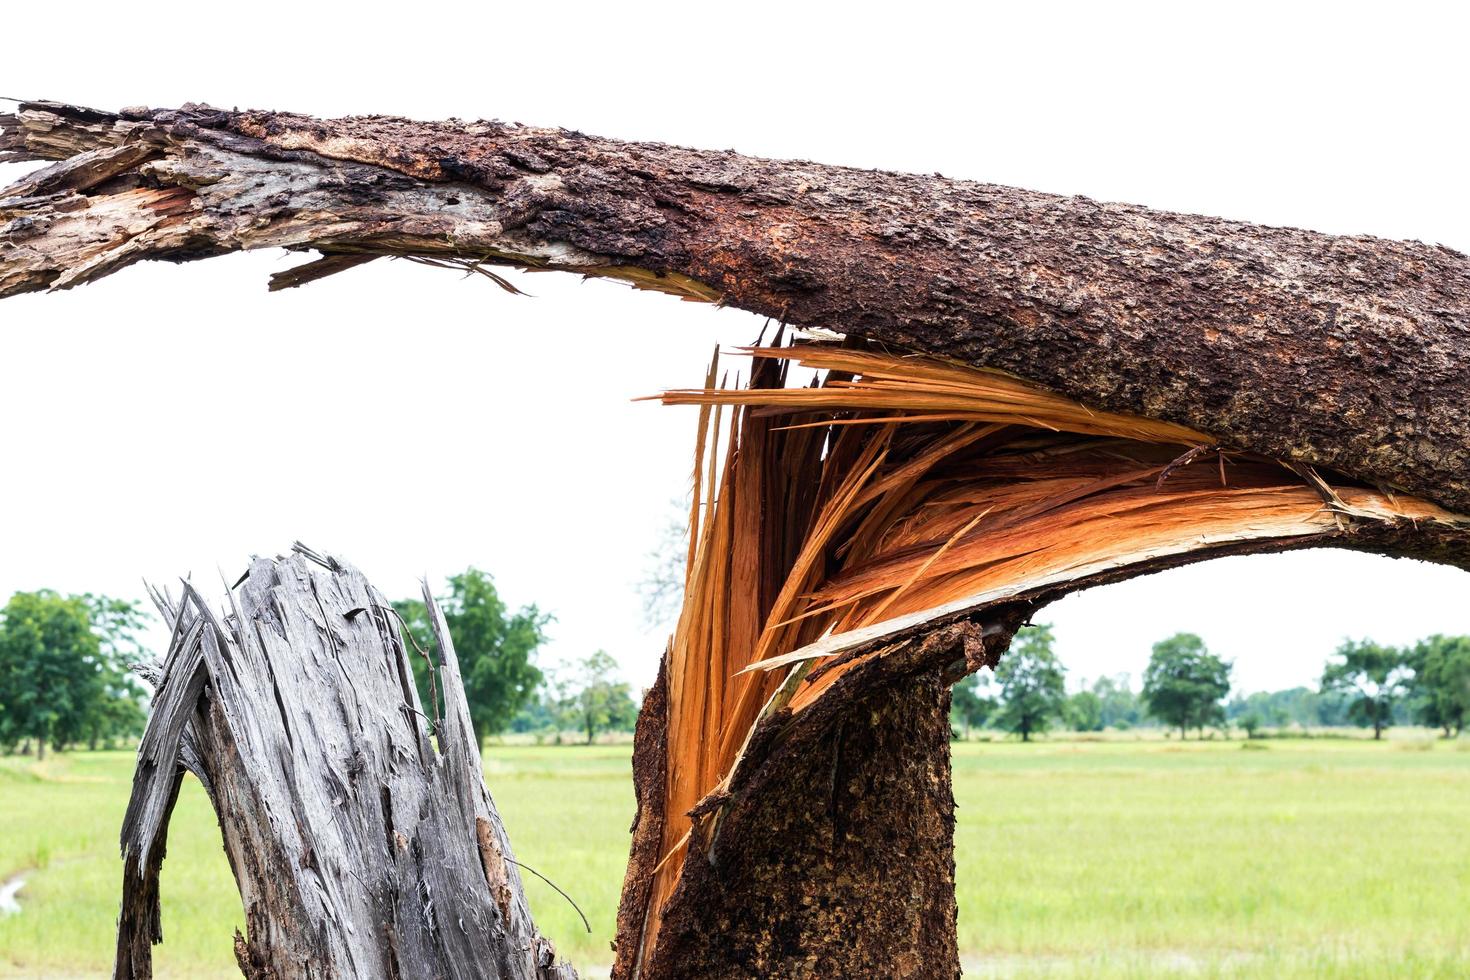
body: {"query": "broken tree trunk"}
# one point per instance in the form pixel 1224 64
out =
pixel 1338 351
pixel 835 855
pixel 1335 362
pixel 360 832
pixel 889 524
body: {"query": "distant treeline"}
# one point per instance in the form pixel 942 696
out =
pixel 506 690
pixel 1364 684
pixel 66 678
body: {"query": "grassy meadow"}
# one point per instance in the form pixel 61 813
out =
pixel 1115 857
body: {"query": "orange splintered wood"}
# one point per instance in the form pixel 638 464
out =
pixel 903 488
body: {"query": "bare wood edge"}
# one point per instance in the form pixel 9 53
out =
pixel 855 641
pixel 1445 541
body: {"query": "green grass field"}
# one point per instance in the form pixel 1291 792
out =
pixel 1120 857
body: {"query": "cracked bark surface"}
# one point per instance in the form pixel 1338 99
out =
pixel 360 848
pixel 1338 351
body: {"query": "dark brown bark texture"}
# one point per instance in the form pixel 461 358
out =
pixel 833 853
pixel 650 769
pixel 360 849
pixel 1347 352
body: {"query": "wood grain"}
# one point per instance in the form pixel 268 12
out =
pixel 363 841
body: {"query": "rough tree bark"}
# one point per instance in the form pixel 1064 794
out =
pixel 1344 352
pixel 836 857
pixel 1339 351
pixel 361 849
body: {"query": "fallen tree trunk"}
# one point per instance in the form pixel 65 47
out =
pixel 359 830
pixel 1337 351
pixel 1341 359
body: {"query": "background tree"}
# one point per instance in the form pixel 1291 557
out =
pixel 601 703
pixel 1184 683
pixel 1083 711
pixel 1032 682
pixel 972 704
pixel 50 675
pixel 662 584
pixel 1441 684
pixel 1250 722
pixel 1373 677
pixel 1117 701
pixel 1333 708
pixel 496 649
pixel 538 717
pixel 120 712
pixel 1274 709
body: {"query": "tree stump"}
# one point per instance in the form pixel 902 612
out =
pixel 360 832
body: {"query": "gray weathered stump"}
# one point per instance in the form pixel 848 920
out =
pixel 361 849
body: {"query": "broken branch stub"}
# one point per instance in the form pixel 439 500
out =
pixel 360 848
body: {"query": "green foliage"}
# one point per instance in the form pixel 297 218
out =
pixel 1373 677
pixel 120 713
pixel 495 648
pixel 1333 708
pixel 1251 723
pixel 540 715
pixel 1118 703
pixel 599 703
pixel 584 696
pixel 1032 682
pixel 1185 683
pixel 1294 706
pixel 1442 681
pixel 64 670
pixel 1083 712
pixel 971 704
pixel 48 654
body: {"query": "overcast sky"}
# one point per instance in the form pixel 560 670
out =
pixel 178 419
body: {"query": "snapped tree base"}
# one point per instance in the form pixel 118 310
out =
pixel 832 855
pixel 360 832
pixel 842 865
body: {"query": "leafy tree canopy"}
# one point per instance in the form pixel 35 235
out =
pixel 596 700
pixel 120 713
pixel 972 704
pixel 1084 712
pixel 1442 681
pixel 1117 701
pixel 50 672
pixel 1373 676
pixel 1032 682
pixel 496 649
pixel 1184 683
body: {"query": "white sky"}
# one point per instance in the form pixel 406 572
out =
pixel 180 418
